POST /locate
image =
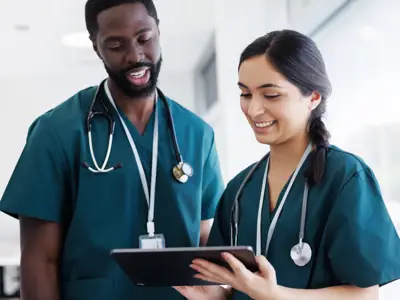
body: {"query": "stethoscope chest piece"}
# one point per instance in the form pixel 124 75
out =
pixel 182 172
pixel 301 254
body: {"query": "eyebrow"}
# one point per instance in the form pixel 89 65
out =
pixel 263 86
pixel 143 30
pixel 117 38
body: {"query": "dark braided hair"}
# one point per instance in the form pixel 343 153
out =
pixel 297 57
pixel 94 7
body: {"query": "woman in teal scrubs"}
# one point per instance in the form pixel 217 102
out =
pixel 350 246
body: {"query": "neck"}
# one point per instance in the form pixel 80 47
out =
pixel 287 156
pixel 137 110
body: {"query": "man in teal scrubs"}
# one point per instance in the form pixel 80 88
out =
pixel 70 216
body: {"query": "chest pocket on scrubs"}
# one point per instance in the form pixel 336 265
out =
pixel 100 207
pixel 100 195
pixel 102 192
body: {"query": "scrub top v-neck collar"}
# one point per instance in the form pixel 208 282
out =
pixel 149 190
pixel 143 140
pixel 284 194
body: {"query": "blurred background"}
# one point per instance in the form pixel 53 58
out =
pixel 46 57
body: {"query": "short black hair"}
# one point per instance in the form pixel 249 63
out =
pixel 297 57
pixel 94 7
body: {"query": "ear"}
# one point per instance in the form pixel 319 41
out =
pixel 94 45
pixel 314 100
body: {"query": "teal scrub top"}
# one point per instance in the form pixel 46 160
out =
pixel 107 211
pixel 348 226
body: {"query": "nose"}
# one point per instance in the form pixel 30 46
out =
pixel 256 108
pixel 135 54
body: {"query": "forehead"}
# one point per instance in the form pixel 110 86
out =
pixel 257 71
pixel 124 18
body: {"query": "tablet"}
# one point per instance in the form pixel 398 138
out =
pixel 171 266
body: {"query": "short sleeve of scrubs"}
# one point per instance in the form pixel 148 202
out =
pixel 218 234
pixel 212 187
pixel 364 247
pixel 37 186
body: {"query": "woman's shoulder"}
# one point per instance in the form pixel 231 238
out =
pixel 344 169
pixel 344 163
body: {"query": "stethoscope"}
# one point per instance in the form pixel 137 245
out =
pixel 300 253
pixel 181 171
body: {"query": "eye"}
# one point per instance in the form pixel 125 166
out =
pixel 271 96
pixel 245 95
pixel 144 41
pixel 145 38
pixel 115 46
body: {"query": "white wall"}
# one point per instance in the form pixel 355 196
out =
pixel 180 87
pixel 363 111
pixel 237 24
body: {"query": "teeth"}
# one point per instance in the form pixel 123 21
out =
pixel 138 74
pixel 264 124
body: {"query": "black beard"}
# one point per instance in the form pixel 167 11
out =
pixel 128 88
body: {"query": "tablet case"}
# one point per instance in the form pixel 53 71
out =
pixel 171 266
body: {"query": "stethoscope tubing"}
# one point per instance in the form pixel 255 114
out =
pixel 111 128
pixel 301 253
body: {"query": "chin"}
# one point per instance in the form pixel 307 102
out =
pixel 138 88
pixel 140 91
pixel 264 139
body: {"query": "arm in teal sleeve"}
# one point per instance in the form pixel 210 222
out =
pixel 212 183
pixel 220 231
pixel 38 185
pixel 364 247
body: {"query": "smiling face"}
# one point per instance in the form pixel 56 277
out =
pixel 275 108
pixel 127 41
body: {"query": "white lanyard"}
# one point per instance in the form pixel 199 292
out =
pixel 279 209
pixel 149 198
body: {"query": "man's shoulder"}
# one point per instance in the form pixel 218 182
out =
pixel 68 116
pixel 75 106
pixel 70 110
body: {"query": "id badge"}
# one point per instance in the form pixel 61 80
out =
pixel 155 242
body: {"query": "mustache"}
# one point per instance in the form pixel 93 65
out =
pixel 137 66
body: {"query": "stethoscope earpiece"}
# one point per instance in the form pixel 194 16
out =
pixel 182 172
pixel 301 254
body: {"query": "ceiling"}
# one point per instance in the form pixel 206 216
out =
pixel 32 34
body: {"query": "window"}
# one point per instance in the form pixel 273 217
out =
pixel 209 78
pixel 206 85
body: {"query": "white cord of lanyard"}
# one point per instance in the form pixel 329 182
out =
pixel 150 196
pixel 279 209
